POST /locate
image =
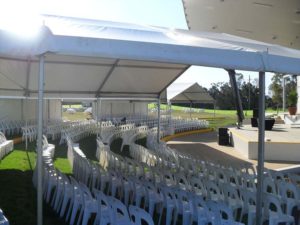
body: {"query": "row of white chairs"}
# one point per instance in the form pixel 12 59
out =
pixel 249 182
pixel 6 146
pixel 3 219
pixel 169 126
pixel 219 176
pixel 159 183
pixel 29 129
pixel 78 130
pixel 158 179
pixel 11 127
pixel 82 169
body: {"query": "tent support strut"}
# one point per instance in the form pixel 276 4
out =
pixel 39 166
pixel 261 148
pixel 237 96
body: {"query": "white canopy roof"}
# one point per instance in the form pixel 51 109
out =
pixel 91 58
pixel 193 94
pixel 272 21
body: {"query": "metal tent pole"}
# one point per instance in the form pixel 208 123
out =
pixel 158 120
pixel 39 143
pixel 96 105
pixel 26 124
pixel 96 117
pixel 283 94
pixel 261 148
pixel 100 117
pixel 190 110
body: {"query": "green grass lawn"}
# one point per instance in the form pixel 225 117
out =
pixel 75 116
pixel 17 194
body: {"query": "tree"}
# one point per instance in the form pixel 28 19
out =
pixel 276 89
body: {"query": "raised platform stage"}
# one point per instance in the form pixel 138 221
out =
pixel 282 143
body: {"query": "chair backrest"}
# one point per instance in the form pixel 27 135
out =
pixel 198 203
pixel 221 211
pixel 198 186
pixel 269 186
pixel 277 175
pixel 295 178
pixel 119 210
pixel 272 203
pixel 248 197
pixel 138 215
pixel 213 190
pixel 101 198
pixel 182 181
pixel 288 190
pixel 225 211
pixel 230 192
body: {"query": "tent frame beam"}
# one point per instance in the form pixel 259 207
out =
pixel 26 91
pixel 95 64
pixel 106 77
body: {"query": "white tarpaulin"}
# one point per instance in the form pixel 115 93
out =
pixel 193 94
pixel 271 21
pixel 102 59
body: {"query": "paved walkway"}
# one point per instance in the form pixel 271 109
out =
pixel 205 147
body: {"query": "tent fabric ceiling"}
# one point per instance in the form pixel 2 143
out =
pixel 103 59
pixel 271 21
pixel 89 77
pixel 193 94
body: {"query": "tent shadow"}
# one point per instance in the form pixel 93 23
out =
pixel 206 153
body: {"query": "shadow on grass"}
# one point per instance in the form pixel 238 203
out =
pixel 18 199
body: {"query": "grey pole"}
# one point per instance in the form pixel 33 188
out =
pixel 96 117
pixel 283 94
pixel 190 110
pixel 100 117
pixel 261 148
pixel 39 166
pixel 22 109
pixel 48 109
pixel 111 106
pixel 158 120
pixel 26 124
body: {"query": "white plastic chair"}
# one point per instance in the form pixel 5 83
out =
pixel 89 206
pixel 119 213
pixel 289 196
pixel 249 206
pixel 232 198
pixel 138 215
pixel 273 211
pixel 169 204
pixel 103 216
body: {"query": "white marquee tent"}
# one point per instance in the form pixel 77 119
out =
pixel 101 59
pixel 89 59
pixel 193 94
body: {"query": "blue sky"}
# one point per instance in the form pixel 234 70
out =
pixel 165 13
